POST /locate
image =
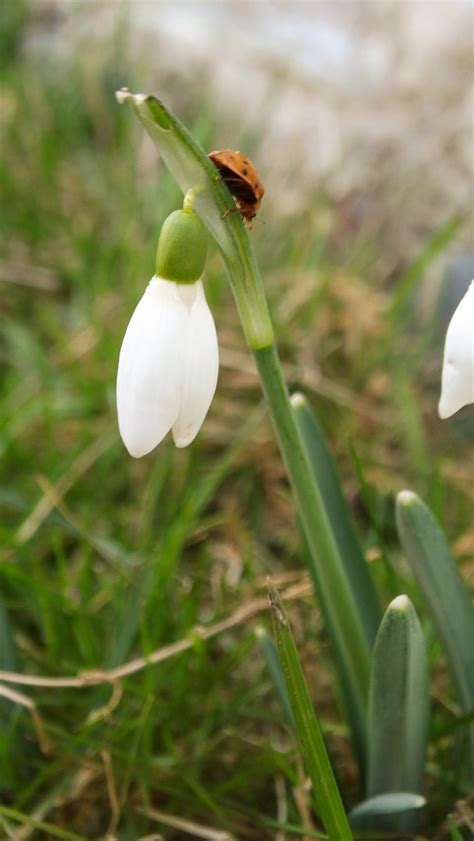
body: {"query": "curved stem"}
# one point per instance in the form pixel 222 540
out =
pixel 351 640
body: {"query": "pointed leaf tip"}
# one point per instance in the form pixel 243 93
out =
pixel 123 94
pixel 298 399
pixel 406 498
pixel 400 603
pixel 276 606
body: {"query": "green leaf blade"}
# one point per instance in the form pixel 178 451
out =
pixel 442 587
pixel 354 568
pixel 398 703
pixel 325 474
pixel 270 656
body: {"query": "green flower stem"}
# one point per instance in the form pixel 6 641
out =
pixel 244 278
pixel 330 573
pixel 308 730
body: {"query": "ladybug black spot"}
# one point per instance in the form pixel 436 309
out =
pixel 245 171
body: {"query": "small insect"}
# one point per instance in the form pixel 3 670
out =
pixel 242 180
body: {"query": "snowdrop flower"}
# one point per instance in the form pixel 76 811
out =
pixel 457 378
pixel 169 360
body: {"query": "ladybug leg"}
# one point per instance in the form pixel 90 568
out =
pixel 230 210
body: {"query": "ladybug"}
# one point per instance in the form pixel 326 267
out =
pixel 242 180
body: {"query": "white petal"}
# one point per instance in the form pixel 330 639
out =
pixel 150 370
pixel 457 378
pixel 201 368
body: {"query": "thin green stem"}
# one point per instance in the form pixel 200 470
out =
pixel 330 573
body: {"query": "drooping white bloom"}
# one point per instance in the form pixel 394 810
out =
pixel 168 366
pixel 457 378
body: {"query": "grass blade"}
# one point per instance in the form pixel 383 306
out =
pixel 308 729
pixel 398 703
pixel 52 830
pixel 270 655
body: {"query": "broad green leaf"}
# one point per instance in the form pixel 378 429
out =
pixel 443 588
pixel 309 733
pixel 398 703
pixel 324 470
pixel 354 566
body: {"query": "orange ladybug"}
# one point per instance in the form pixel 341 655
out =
pixel 242 180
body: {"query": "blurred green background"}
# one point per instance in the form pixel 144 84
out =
pixel 365 245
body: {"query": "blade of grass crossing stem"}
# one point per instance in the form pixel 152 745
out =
pixel 325 474
pixel 443 589
pixel 309 733
pixel 398 703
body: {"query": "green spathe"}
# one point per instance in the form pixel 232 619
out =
pixel 181 252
